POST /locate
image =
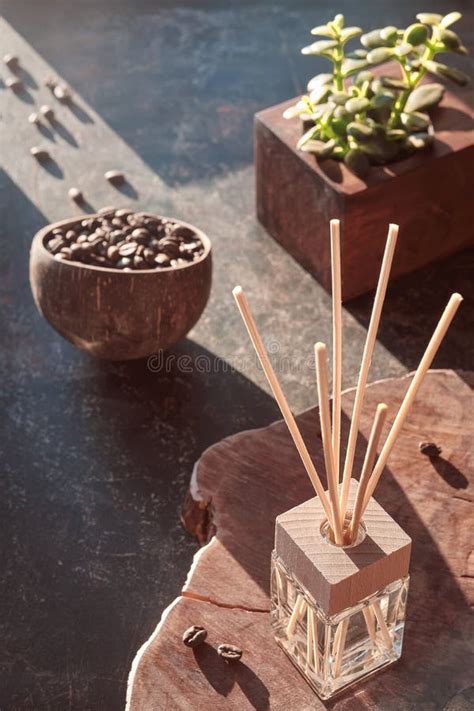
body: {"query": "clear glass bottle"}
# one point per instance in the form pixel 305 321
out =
pixel 335 651
pixel 338 612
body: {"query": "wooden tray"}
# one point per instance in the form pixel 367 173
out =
pixel 237 489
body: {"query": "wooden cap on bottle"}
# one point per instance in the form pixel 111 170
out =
pixel 336 577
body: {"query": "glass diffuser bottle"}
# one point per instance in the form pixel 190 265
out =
pixel 339 612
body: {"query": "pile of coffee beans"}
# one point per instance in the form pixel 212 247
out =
pixel 126 240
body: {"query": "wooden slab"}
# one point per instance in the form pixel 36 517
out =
pixel 238 488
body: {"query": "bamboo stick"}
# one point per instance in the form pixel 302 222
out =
pixel 382 624
pixel 374 438
pixel 369 621
pixel 340 643
pixel 256 339
pixel 430 352
pixel 325 419
pixel 365 364
pixel 309 639
pixel 336 342
pixel 298 611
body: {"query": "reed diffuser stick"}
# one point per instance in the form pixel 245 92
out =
pixel 257 342
pixel 431 350
pixel 325 419
pixel 365 364
pixel 336 341
pixel 371 453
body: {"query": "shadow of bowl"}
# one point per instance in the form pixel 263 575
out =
pixel 117 315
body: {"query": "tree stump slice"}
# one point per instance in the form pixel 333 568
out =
pixel 241 484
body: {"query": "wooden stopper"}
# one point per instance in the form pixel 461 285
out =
pixel 337 577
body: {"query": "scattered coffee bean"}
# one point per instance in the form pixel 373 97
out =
pixel 118 239
pixel 229 652
pixel 47 112
pixel 430 449
pixel 194 636
pixel 41 154
pixel 115 177
pixel 62 93
pixel 76 195
pixel 34 118
pixel 11 60
pixel 14 83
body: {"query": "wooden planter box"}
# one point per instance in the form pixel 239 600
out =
pixel 430 195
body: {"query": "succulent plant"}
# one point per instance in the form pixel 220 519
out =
pixel 367 120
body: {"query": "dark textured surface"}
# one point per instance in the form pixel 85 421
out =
pixel 96 458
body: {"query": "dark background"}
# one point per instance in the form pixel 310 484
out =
pixel 96 457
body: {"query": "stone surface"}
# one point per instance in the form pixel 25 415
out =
pixel 96 457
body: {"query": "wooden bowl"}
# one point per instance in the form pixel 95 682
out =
pixel 119 315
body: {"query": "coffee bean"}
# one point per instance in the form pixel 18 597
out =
pixel 107 211
pixel 47 112
pixel 34 118
pixel 76 251
pixel 229 652
pixel 430 449
pixel 116 236
pixel 66 252
pixel 62 93
pixel 124 262
pixel 123 212
pixel 141 235
pixel 76 195
pixel 51 82
pixel 82 238
pixel 139 262
pixel 128 249
pixel 55 245
pixel 41 154
pixel 169 247
pixel 194 636
pixel 113 253
pixel 183 232
pixel 162 260
pixel 14 83
pixel 115 177
pixel 70 236
pixel 149 257
pixel 12 61
pixel 58 231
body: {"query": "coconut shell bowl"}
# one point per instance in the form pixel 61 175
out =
pixel 118 314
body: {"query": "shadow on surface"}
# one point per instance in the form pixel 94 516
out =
pixel 413 306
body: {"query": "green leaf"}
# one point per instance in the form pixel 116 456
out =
pixel 403 49
pixel 352 66
pixel 360 131
pixel 429 18
pixel 356 105
pixel 419 140
pixel 318 95
pixel 319 47
pixel 357 162
pixel 339 126
pixel 382 101
pixel 307 136
pixel 349 33
pixel 389 34
pixel 362 77
pixel 323 30
pixel 340 112
pixel 424 96
pixel 416 34
pixel 380 149
pixel 456 75
pixel 396 134
pixel 339 98
pixel 374 39
pixel 450 19
pixel 295 110
pixel 391 83
pixel 319 80
pixel 319 148
pixel 357 54
pixel 450 39
pixel 339 21
pixel 415 120
pixel 379 55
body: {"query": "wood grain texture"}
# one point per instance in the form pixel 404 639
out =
pixel 114 314
pixel 338 578
pixel 249 479
pixel 427 194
